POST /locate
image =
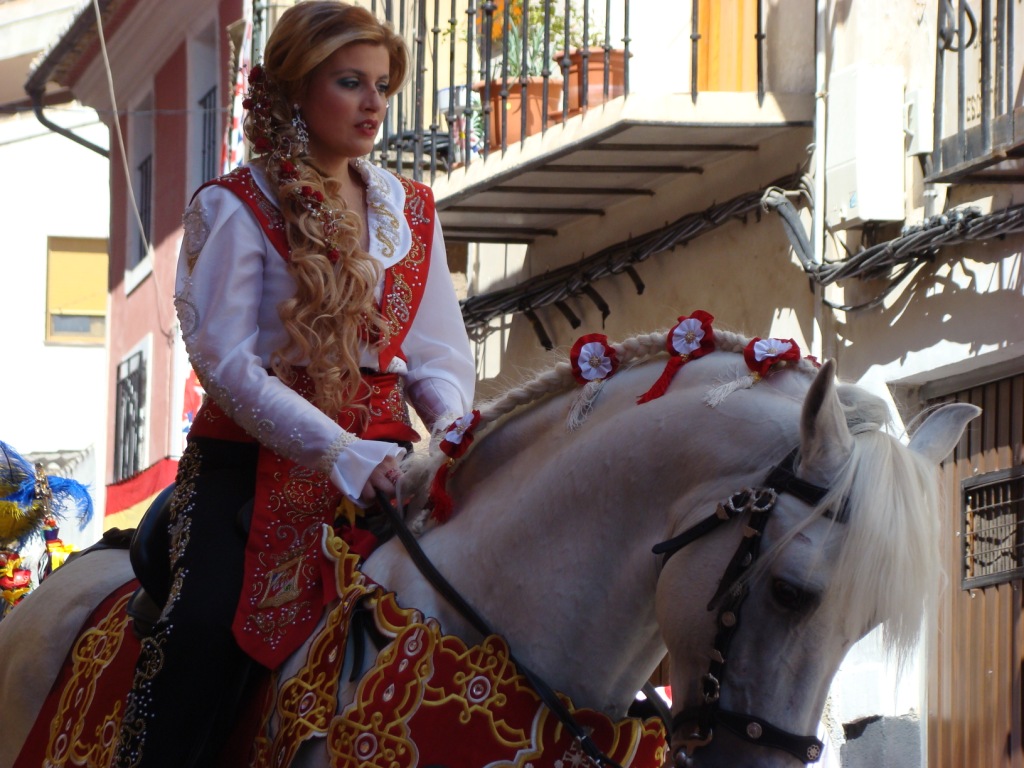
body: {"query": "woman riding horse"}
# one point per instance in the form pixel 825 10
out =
pixel 314 295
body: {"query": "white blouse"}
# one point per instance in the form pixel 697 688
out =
pixel 230 281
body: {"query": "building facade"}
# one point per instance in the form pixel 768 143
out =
pixel 843 174
pixel 53 256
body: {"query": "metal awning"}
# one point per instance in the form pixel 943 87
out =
pixel 622 150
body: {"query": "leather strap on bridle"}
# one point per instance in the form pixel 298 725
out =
pixel 464 609
pixel 806 749
pixel 729 598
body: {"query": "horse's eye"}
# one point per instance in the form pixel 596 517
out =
pixel 792 597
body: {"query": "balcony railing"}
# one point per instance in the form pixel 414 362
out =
pixel 487 74
pixel 979 130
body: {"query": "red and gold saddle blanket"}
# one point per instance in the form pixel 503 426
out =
pixel 428 699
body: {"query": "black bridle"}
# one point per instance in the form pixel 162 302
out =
pixel 758 503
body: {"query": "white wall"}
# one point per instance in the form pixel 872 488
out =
pixel 53 396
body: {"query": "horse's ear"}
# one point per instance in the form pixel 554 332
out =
pixel 941 431
pixel 825 439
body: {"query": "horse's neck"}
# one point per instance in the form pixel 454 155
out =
pixel 552 535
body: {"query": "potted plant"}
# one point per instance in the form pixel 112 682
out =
pixel 583 65
pixel 589 78
pixel 518 68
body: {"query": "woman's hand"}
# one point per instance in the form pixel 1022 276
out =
pixel 385 477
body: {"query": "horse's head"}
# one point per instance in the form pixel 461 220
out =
pixel 839 537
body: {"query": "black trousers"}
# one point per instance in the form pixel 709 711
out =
pixel 191 673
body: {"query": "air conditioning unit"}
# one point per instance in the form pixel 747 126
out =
pixel 864 150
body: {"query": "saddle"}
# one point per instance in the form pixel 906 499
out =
pixel 149 553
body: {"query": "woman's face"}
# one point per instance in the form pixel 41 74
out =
pixel 345 104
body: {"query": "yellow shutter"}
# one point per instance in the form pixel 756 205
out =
pixel 727 49
pixel 76 290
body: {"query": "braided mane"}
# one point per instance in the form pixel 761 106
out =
pixel 420 468
pixel 559 378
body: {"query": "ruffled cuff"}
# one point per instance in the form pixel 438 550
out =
pixel 356 461
pixel 438 402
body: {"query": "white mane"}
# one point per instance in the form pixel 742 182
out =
pixel 889 561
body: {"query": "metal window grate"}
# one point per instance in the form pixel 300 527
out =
pixel 208 105
pixel 145 197
pixel 992 520
pixel 131 400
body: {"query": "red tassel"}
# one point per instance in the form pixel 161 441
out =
pixel 661 385
pixel 439 499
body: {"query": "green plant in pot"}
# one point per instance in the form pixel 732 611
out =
pixel 520 68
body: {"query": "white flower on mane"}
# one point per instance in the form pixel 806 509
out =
pixel 766 348
pixel 594 363
pixel 687 336
pixel 458 429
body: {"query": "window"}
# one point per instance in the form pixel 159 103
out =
pixel 210 155
pixel 76 290
pixel 726 50
pixel 204 118
pixel 144 199
pixel 993 541
pixel 130 410
pixel 140 216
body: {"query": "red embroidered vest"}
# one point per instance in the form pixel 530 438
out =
pixel 283 593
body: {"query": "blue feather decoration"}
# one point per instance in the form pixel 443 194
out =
pixel 28 497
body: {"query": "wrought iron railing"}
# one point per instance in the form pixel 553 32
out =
pixel 489 73
pixel 976 125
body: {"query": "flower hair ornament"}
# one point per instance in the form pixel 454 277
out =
pixel 259 103
pixel 690 338
pixel 286 152
pixel 593 361
pixel 762 356
pixel 458 436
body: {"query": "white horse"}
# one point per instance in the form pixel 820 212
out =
pixel 552 537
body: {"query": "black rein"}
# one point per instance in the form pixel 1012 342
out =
pixel 459 603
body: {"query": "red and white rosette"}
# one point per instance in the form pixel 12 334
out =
pixel 458 436
pixel 690 338
pixel 593 361
pixel 762 356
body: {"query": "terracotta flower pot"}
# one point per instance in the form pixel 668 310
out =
pixel 595 77
pixel 490 93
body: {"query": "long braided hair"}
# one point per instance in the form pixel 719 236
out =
pixel 333 313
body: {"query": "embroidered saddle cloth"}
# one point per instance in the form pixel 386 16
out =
pixel 427 699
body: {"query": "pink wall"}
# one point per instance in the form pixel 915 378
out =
pixel 149 308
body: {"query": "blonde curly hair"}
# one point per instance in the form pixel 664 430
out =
pixel 333 313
